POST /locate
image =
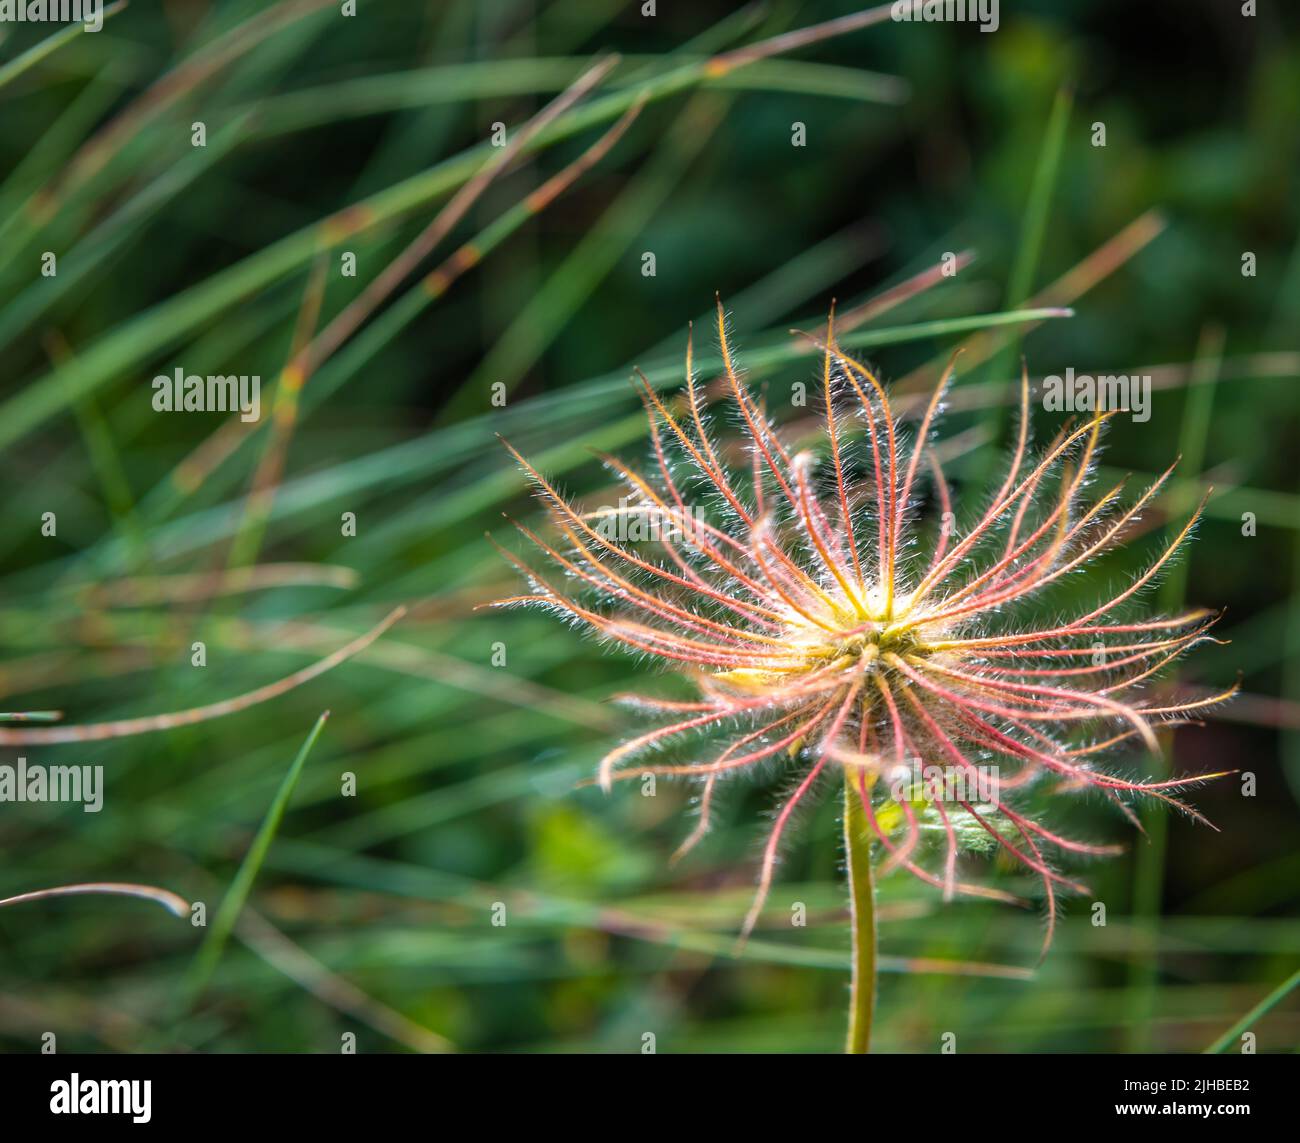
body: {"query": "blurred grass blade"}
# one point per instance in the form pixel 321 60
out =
pixel 33 55
pixel 165 324
pixel 283 954
pixel 223 922
pixel 1150 859
pixel 1271 1001
pixel 1033 225
pixel 124 728
pixel 174 904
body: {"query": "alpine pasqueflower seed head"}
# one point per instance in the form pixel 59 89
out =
pixel 827 623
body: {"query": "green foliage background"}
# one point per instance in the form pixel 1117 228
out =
pixel 373 914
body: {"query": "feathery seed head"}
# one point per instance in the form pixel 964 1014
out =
pixel 826 622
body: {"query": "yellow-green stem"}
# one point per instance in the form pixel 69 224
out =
pixel 862 919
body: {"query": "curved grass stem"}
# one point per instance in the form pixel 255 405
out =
pixel 862 920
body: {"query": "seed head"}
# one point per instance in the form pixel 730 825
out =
pixel 827 621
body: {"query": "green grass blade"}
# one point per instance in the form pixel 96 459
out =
pixel 1033 228
pixel 223 923
pixel 1149 875
pixel 52 43
pixel 1271 1001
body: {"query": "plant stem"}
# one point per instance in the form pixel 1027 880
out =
pixel 862 920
